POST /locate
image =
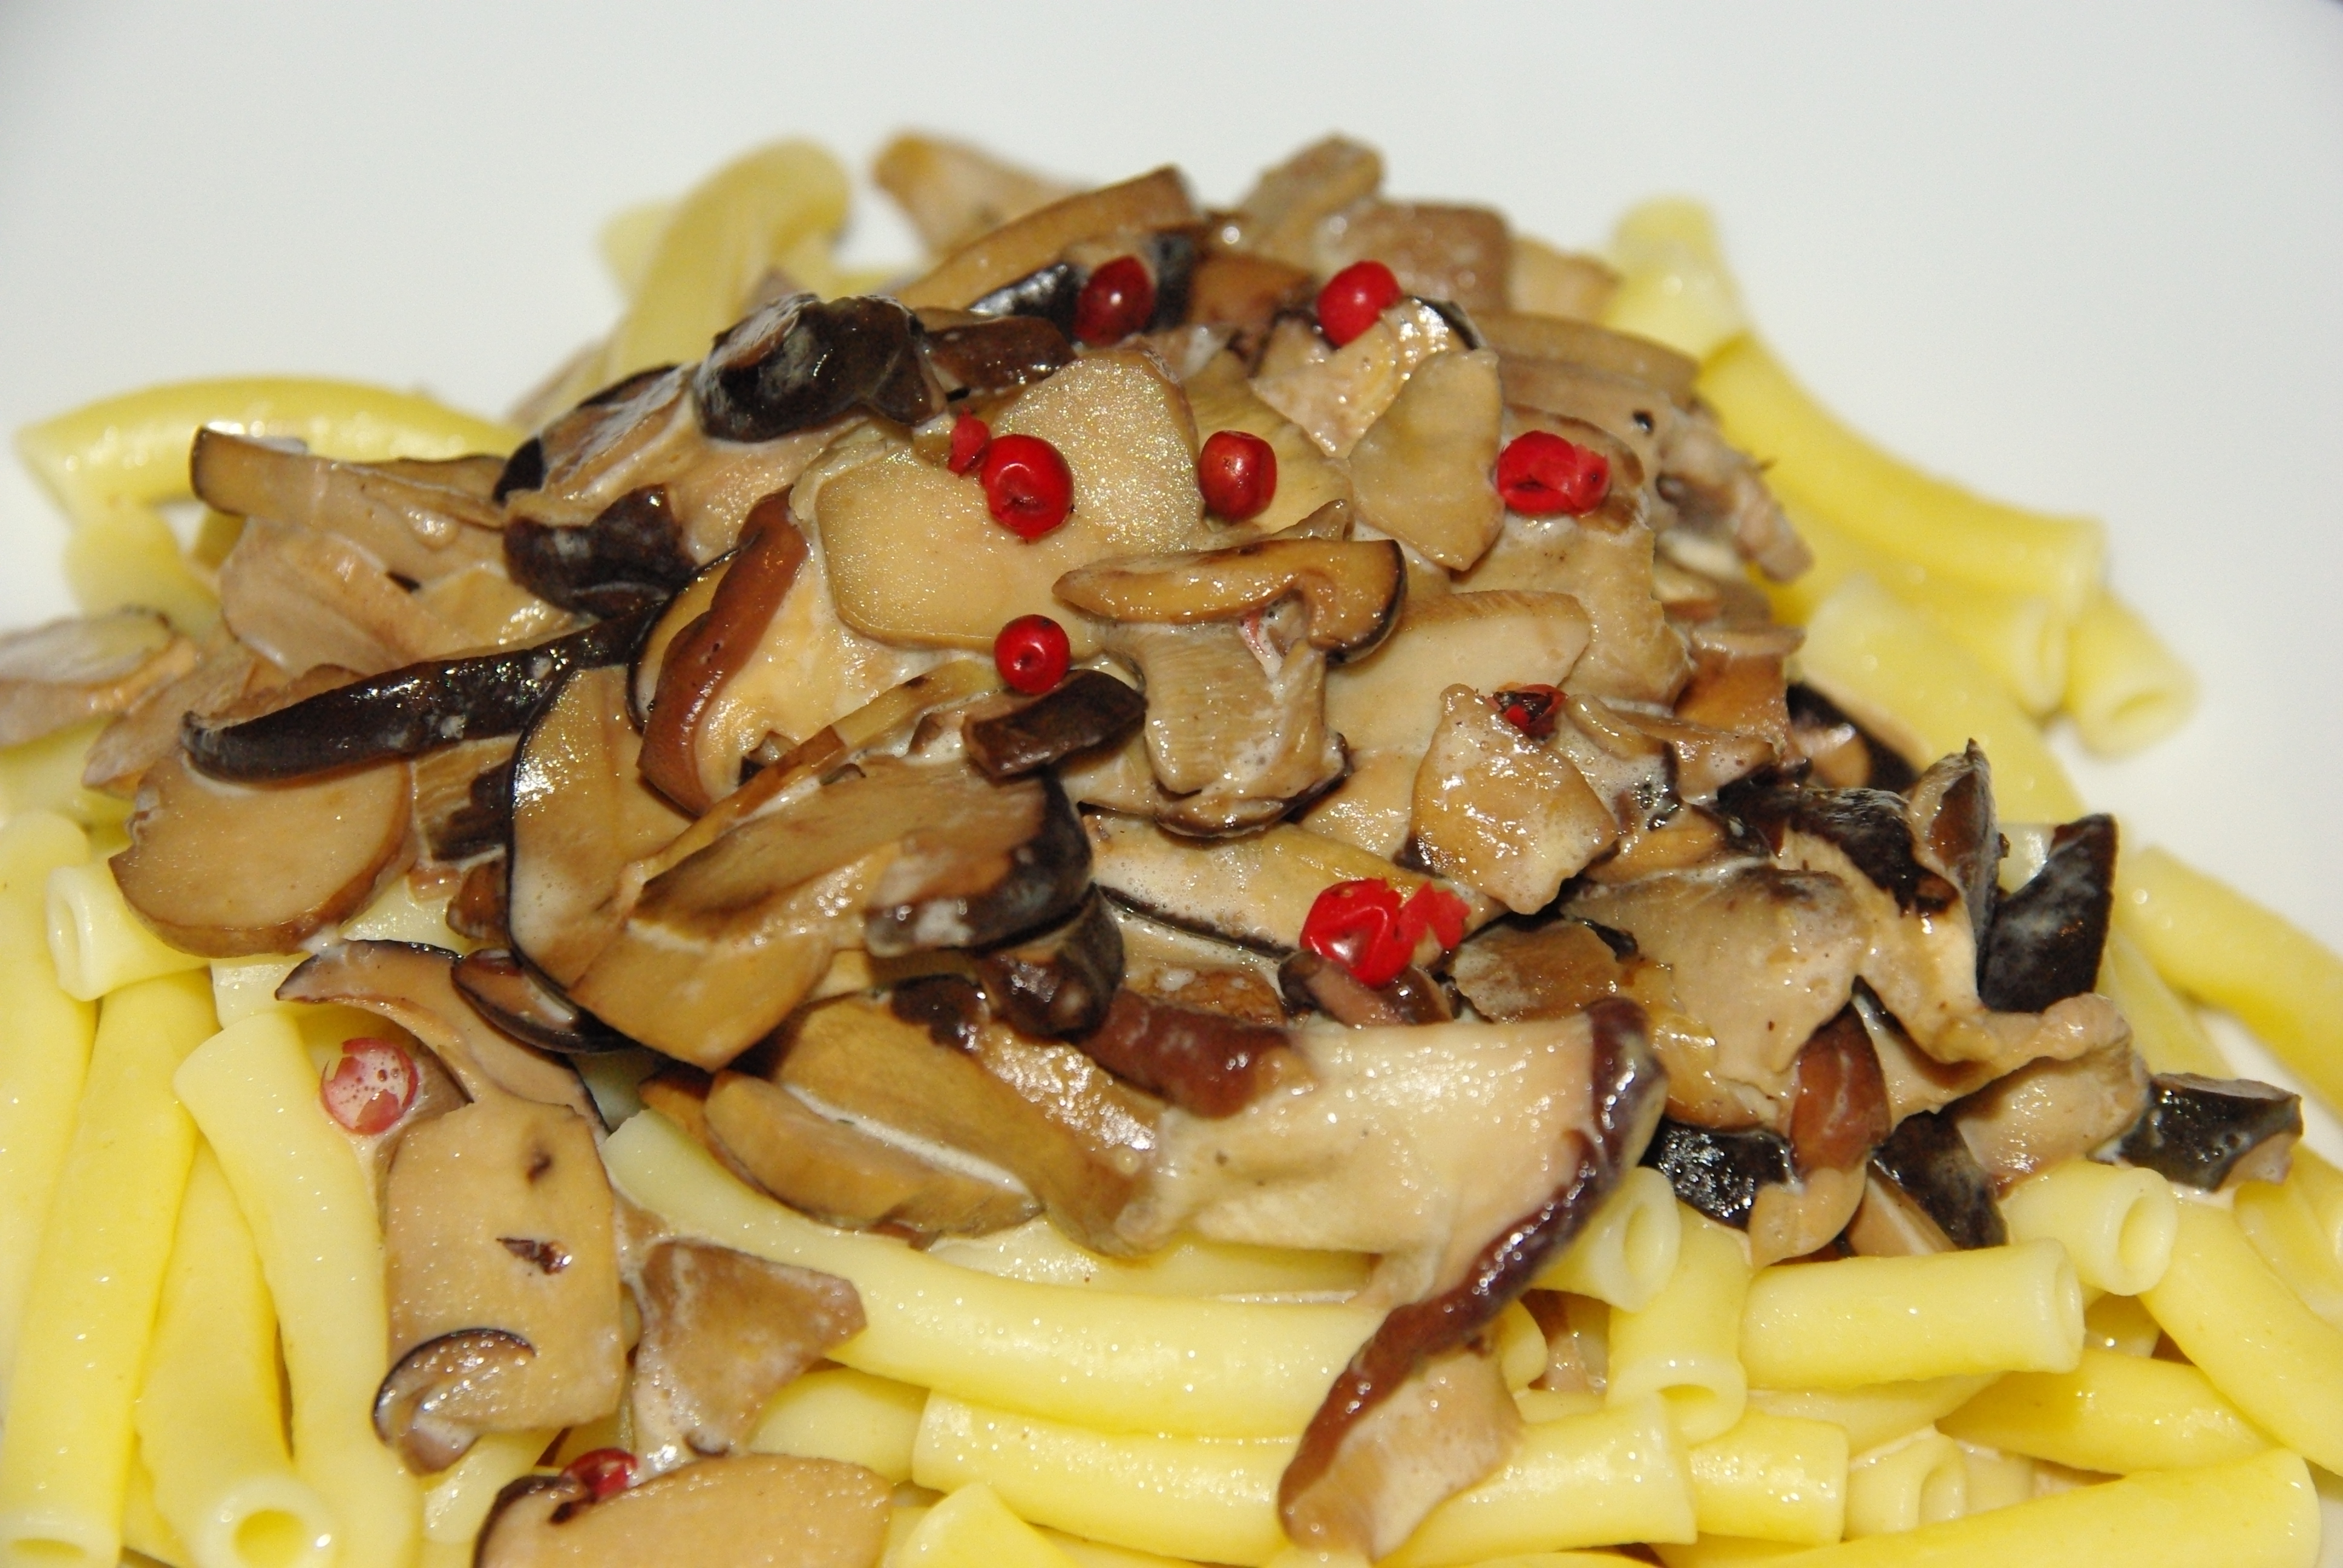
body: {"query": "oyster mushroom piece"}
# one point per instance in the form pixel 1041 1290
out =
pixel 2213 1132
pixel 1089 708
pixel 422 521
pixel 1633 652
pixel 1062 981
pixel 2050 1111
pixel 1957 835
pixel 1352 590
pixel 1462 253
pixel 1280 215
pixel 1392 701
pixel 301 598
pixel 1312 984
pixel 1156 200
pixel 1510 972
pixel 1498 812
pixel 803 361
pixel 631 554
pixel 227 869
pixel 724 1332
pixel 2044 940
pixel 1421 471
pixel 743 1511
pixel 444 1394
pixel 55 676
pixel 226 674
pixel 1337 399
pixel 1527 335
pixel 952 192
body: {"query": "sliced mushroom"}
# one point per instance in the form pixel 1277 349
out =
pixel 1390 701
pixel 801 362
pixel 1839 1111
pixel 1550 971
pixel 1498 812
pixel 744 1511
pixel 421 521
pixel 486 610
pixel 463 800
pixel 1421 471
pixel 1794 1219
pixel 1958 836
pixel 724 1332
pixel 226 674
pixel 1280 217
pixel 1336 399
pixel 2213 1132
pixel 1633 652
pixel 985 862
pixel 2045 939
pixel 1710 482
pixel 302 598
pixel 1844 755
pixel 1720 1172
pixel 632 554
pixel 952 192
pixel 1370 809
pixel 1525 335
pixel 1702 761
pixel 1047 294
pixel 68 671
pixel 1206 1063
pixel 445 1392
pixel 1462 253
pixel 1352 589
pixel 1928 1162
pixel 1560 283
pixel 2049 1111
pixel 1246 292
pixel 513 997
pixel 1085 711
pixel 1311 983
pixel 1156 200
pixel 1062 981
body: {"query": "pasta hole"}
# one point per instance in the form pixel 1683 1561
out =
pixel 272 1538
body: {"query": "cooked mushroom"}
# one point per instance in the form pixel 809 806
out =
pixel 1390 701
pixel 1421 472
pixel 1047 294
pixel 1352 589
pixel 301 598
pixel 1838 1110
pixel 724 1332
pixel 996 354
pixel 1370 809
pixel 1152 201
pixel 1206 1063
pixel 744 1511
pixel 1709 481
pixel 421 521
pixel 2212 1132
pixel 1548 971
pixel 801 362
pixel 2045 939
pixel 1231 289
pixel 68 671
pixel 1928 1162
pixel 1844 755
pixel 1062 981
pixel 952 192
pixel 445 1392
pixel 1957 835
pixel 1280 215
pixel 463 800
pixel 2050 1111
pixel 1313 984
pixel 227 869
pixel 1462 253
pixel 1497 811
pixel 1520 334
pixel 985 862
pixel 1702 761
pixel 1085 711
pixel 632 554
pixel 1719 1172
pixel 404 712
pixel 1336 398
pixel 506 993
pixel 1633 652
pixel 226 674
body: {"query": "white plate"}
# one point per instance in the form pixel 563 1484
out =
pixel 2083 258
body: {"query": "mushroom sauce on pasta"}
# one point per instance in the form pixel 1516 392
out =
pixel 1301 883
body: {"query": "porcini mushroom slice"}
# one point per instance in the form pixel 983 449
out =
pixel 65 672
pixel 302 597
pixel 1720 1172
pixel 724 1332
pixel 997 353
pixel 743 1511
pixel 631 554
pixel 1633 652
pixel 1206 1063
pixel 1926 1159
pixel 463 800
pixel 1335 399
pixel 509 995
pixel 445 1392
pixel 1280 215
pixel 580 814
pixel 952 192
pixel 411 517
pixel 1838 1110
pixel 1958 834
pixel 1061 982
pixel 406 711
pixel 1498 812
pixel 1550 971
pixel 1352 588
pixel 800 362
pixel 225 869
pixel 147 731
pixel 1321 985
pixel 1421 471
pixel 1087 709
pixel 2048 1112
pixel 2044 941
pixel 1525 335
pixel 1391 701
pixel 984 863
pixel 841 1173
pixel 2210 1132
pixel 1155 200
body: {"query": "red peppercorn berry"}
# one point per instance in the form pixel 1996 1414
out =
pixel 1027 486
pixel 968 437
pixel 370 1087
pixel 1532 710
pixel 1032 653
pixel 1238 472
pixel 1353 298
pixel 1118 300
pixel 1540 473
pixel 1435 912
pixel 603 1471
pixel 1357 925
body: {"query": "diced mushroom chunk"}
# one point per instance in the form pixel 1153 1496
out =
pixel 1462 253
pixel 1337 398
pixel 1085 711
pixel 1280 215
pixel 1497 811
pixel 2044 940
pixel 745 1511
pixel 801 362
pixel 2211 1133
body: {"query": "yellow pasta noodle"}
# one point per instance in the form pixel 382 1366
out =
pixel 2277 1218
pixel 144 1529
pixel 65 1452
pixel 1190 1266
pixel 1672 286
pixel 125 555
pixel 210 1431
pixel 98 944
pixel 1628 1251
pixel 2114 1413
pixel 1862 1321
pixel 2117 1222
pixel 1685 1346
pixel 842 1413
pixel 45 775
pixel 2320 1186
pixel 2125 690
pixel 1923 1479
pixel 1772 1478
pixel 2164 1029
pixel 973 1528
pixel 1997 1480
pixel 2216 944
pixel 1109 1362
pixel 252 1089
pixel 1097 1554
pixel 1876 1415
pixel 2120 1323
pixel 457 1501
pixel 47 1035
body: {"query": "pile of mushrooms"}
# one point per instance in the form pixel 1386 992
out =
pixel 685 707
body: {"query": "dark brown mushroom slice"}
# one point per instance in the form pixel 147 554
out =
pixel 523 470
pixel 1958 833
pixel 1838 1113
pixel 951 1007
pixel 1872 826
pixel 1510 972
pixel 422 521
pixel 1354 588
pixel 1926 1159
pixel 1061 982
pixel 434 1404
pixel 405 712
pixel 2046 939
pixel 1047 294
pixel 1206 1063
pixel 632 554
pixel 1311 983
pixel 463 800
pixel 87 667
pixel 993 863
pixel 2208 1132
pixel 1088 708
pixel 742 1511
pixel 1720 1172
pixel 1844 755
pixel 1154 201
pixel 518 1001
pixel 723 1331
pixel 998 354
pixel 800 362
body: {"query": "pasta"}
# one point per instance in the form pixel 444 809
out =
pixel 1923 1479
pixel 2117 1226
pixel 2114 1413
pixel 1772 1478
pixel 1630 1249
pixel 2125 689
pixel 1685 1345
pixel 98 944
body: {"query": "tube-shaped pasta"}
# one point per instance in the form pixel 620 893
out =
pixel 1685 1345
pixel 1725 1551
pixel 65 1452
pixel 210 1431
pixel 2278 1220
pixel 2126 690
pixel 144 1529
pixel 972 1526
pixel 1672 286
pixel 45 775
pixel 2321 1188
pixel 2114 1413
pixel 1862 1321
pixel 1924 1480
pixel 1997 1480
pixel 48 1053
pixel 99 946
pixel 2116 1222
pixel 1885 502
pixel 124 554
pixel 2164 1029
pixel 2216 944
pixel 252 1089
pixel 457 1501
pixel 1109 1362
pixel 1628 1250
pixel 1096 1553
pixel 2273 1358
pixel 2120 1323
pixel 1190 1266
pixel 1876 1415
pixel 1772 1478
pixel 2258 1513
pixel 842 1413
pixel 1896 674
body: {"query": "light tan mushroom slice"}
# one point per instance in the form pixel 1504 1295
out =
pixel 723 1333
pixel 415 987
pixel 1498 812
pixel 1629 410
pixel 58 675
pixel 419 525
pixel 744 1511
pixel 1460 253
pixel 952 192
pixel 1254 892
pixel 1547 281
pixel 498 1216
pixel 1790 1220
pixel 1280 217
pixel 1373 805
pixel 640 433
pixel 1550 971
pixel 1307 478
pixel 1740 683
pixel 1424 472
pixel 302 597
pixel 1709 480
pixel 487 610
pixel 580 814
pixel 1706 760
pixel 1337 398
pixel 2051 1111
pixel 1390 700
pixel 1352 589
pixel 227 869
pixel 1629 769
pixel 1528 334
pixel 441 1395
pixel 1605 564
pixel 914 557
pixel 147 731
pixel 841 1174
pixel 1156 200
